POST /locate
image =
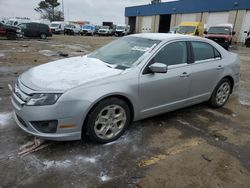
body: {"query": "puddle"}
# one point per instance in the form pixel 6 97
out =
pixel 5 118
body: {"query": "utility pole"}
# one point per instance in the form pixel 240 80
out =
pixel 63 10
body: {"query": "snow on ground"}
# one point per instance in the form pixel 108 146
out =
pixel 47 53
pixel 2 55
pixel 5 118
pixel 87 159
pixel 57 164
pixel 244 101
pixel 104 177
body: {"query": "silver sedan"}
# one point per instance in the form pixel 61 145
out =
pixel 131 78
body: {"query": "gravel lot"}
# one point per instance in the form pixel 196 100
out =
pixel 193 147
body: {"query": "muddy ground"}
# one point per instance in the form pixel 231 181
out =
pixel 193 147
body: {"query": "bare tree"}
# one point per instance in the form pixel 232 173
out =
pixel 49 10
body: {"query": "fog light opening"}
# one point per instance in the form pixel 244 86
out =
pixel 45 126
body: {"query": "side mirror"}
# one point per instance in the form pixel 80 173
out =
pixel 158 68
pixel 205 32
pixel 233 33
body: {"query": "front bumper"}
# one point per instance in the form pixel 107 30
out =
pixel 69 114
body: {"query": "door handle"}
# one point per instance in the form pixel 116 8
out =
pixel 184 75
pixel 220 67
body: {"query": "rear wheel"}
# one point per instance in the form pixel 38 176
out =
pixel 108 120
pixel 43 36
pixel 221 93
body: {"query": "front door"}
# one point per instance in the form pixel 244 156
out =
pixel 162 92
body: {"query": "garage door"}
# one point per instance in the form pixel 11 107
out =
pixel 215 18
pixel 146 24
pixel 245 26
pixel 188 17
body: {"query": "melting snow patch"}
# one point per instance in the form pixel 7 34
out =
pixel 57 164
pixel 5 118
pixel 2 55
pixel 86 159
pixel 104 178
pixel 244 101
pixel 48 53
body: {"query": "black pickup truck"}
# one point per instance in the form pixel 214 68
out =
pixel 11 32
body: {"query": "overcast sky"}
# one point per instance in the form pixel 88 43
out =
pixel 94 11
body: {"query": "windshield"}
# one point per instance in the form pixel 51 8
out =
pixel 186 29
pixel 54 25
pixel 120 27
pixel 69 26
pixel 219 30
pixel 88 27
pixel 104 27
pixel 9 22
pixel 125 51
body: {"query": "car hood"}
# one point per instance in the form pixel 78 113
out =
pixel 67 73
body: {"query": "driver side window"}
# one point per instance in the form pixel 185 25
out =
pixel 172 54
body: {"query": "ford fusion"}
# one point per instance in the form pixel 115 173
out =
pixel 131 78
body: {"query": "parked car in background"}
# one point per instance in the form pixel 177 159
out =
pixel 222 34
pixel 122 30
pixel 247 41
pixel 57 27
pixel 105 30
pixel 88 30
pixel 132 78
pixel 35 30
pixel 191 28
pixel 17 21
pixel 10 32
pixel 72 29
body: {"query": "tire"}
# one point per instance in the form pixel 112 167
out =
pixel 101 126
pixel 221 93
pixel 11 35
pixel 43 36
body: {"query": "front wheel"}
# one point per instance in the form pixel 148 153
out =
pixel 221 93
pixel 108 120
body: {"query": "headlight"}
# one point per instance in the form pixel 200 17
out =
pixel 43 99
pixel 18 30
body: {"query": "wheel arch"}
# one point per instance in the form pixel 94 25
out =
pixel 119 96
pixel 230 78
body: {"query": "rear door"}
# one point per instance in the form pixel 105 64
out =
pixel 161 92
pixel 207 69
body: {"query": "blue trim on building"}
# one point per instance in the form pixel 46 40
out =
pixel 187 6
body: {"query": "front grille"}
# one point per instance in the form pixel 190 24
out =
pixel 21 121
pixel 217 39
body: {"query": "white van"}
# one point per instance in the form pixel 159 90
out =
pixel 57 27
pixel 122 30
pixel 16 21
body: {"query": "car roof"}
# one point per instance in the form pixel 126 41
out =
pixel 165 36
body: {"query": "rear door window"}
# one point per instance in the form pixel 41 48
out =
pixel 204 51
